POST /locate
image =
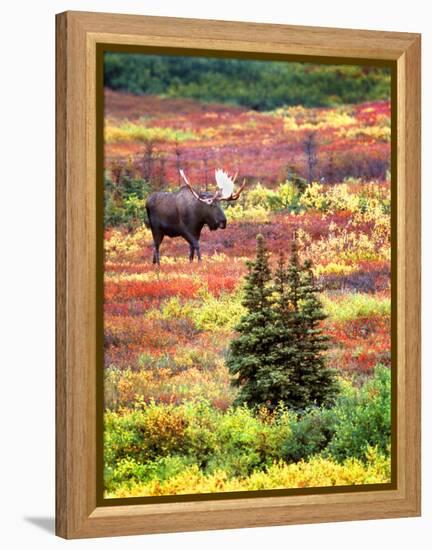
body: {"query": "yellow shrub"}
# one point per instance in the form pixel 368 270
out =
pixel 121 245
pixel 299 118
pixel 317 472
pixel 257 214
pixel 258 196
pixel 346 244
pixel 380 133
pixel 136 132
pixel 174 308
pixel 207 376
pixel 215 313
pixel 334 268
pixel 331 199
pixel 314 197
pixel 286 193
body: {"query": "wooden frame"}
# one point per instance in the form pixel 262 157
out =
pixel 77 512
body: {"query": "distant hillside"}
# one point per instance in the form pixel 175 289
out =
pixel 120 104
pixel 258 85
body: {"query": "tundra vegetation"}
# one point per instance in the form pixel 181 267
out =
pixel 216 377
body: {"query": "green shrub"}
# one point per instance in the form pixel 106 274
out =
pixel 124 202
pixel 286 197
pixel 237 441
pixel 362 418
pixel 246 442
pixel 128 471
pixel 153 432
pixel 310 434
pixel 255 214
pixel 354 306
pixel 209 313
pixel 221 312
pixel 261 200
pixel 158 441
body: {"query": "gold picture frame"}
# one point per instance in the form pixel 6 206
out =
pixel 80 37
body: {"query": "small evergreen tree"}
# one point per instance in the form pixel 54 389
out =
pixel 311 381
pixel 249 354
pixel 282 355
pixel 278 355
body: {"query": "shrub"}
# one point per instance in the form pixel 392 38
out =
pixel 156 431
pixel 174 308
pixel 246 442
pixel 165 379
pixel 119 245
pixel 136 132
pixel 259 196
pixel 310 434
pixel 354 306
pixel 239 213
pixel 286 197
pixel 260 201
pixel 236 441
pixel 157 441
pixel 317 472
pixel 124 200
pixel 128 472
pixel 371 203
pixel 362 418
pixel 222 312
pixel 335 198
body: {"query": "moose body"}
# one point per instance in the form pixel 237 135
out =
pixel 184 213
pixel 181 215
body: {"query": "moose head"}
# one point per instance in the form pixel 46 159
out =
pixel 210 209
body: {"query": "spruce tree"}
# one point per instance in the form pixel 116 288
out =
pixel 249 354
pixel 313 371
pixel 311 381
pixel 282 355
pixel 279 353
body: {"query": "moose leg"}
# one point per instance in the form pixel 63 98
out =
pixel 156 259
pixel 157 239
pixel 157 234
pixel 191 252
pixel 193 246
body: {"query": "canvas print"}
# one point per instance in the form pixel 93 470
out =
pixel 247 275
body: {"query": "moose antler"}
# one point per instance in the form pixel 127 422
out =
pixel 225 188
pixel 194 193
pixel 236 195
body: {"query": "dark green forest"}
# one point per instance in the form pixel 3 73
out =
pixel 258 85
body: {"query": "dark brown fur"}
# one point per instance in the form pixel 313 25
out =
pixel 180 214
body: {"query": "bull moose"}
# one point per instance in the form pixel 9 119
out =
pixel 185 212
